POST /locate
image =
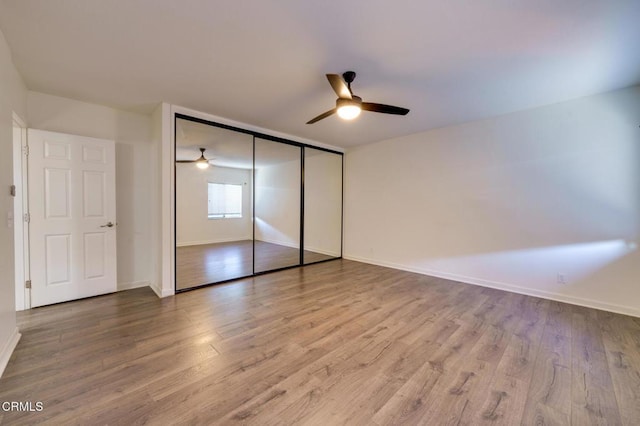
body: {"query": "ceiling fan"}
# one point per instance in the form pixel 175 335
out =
pixel 348 105
pixel 201 162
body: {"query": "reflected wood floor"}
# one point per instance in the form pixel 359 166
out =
pixel 209 263
pixel 340 342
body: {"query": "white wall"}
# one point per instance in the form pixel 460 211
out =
pixel 12 99
pixel 136 193
pixel 510 202
pixel 192 225
pixel 277 204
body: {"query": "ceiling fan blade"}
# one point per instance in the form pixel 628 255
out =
pixel 321 116
pixel 339 86
pixel 186 161
pixel 385 109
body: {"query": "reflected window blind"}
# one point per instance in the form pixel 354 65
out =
pixel 225 200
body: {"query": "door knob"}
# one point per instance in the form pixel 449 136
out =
pixel 108 225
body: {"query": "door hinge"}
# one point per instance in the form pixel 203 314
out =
pixel 25 150
pixel 27 284
pixel 27 217
pixel 12 190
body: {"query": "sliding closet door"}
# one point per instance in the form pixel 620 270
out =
pixel 247 204
pixel 322 205
pixel 277 177
pixel 214 232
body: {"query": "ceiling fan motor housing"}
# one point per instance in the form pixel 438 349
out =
pixel 349 76
pixel 356 101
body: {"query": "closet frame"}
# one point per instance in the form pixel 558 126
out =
pixel 274 139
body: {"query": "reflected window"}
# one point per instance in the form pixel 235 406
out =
pixel 225 200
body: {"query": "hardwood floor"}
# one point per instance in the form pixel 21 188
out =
pixel 210 263
pixel 334 343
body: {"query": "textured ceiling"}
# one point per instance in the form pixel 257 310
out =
pixel 263 62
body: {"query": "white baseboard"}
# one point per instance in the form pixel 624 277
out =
pixel 322 251
pixel 280 243
pixel 160 292
pixel 202 242
pixel 589 303
pixel 156 290
pixel 132 285
pixel 8 349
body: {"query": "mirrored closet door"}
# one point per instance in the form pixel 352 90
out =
pixel 322 205
pixel 277 177
pixel 248 203
pixel 214 229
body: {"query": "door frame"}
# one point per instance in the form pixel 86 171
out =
pixel 22 271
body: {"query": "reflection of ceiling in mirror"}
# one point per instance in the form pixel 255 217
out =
pixel 224 148
pixel 269 153
pixel 312 152
pixel 228 148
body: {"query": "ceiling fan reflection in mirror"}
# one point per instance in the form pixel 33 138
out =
pixel 201 163
pixel 348 105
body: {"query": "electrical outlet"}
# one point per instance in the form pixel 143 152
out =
pixel 562 278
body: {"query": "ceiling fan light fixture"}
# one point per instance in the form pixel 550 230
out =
pixel 348 109
pixel 349 112
pixel 202 163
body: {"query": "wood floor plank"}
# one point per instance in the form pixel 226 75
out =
pixel 504 402
pixel 549 400
pixel 339 342
pixel 621 339
pixel 593 396
pixel 407 406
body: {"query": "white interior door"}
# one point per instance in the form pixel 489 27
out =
pixel 72 200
